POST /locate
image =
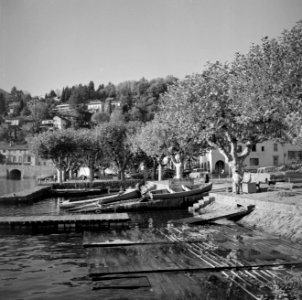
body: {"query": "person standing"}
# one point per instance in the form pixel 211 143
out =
pixel 236 182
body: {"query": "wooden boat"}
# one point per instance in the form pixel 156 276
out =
pixel 180 200
pixel 77 192
pixel 233 213
pixel 70 203
pixel 92 203
pixel 186 195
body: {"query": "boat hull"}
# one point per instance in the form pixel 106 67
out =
pixel 180 200
pixel 184 195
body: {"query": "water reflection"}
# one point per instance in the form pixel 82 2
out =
pixel 8 186
pixel 43 267
pixel 49 206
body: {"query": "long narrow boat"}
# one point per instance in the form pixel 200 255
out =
pixel 188 194
pixel 77 192
pixel 179 200
pixel 79 205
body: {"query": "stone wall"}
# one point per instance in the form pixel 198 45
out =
pixel 27 171
pixel 272 216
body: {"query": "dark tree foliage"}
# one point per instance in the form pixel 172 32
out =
pixel 2 105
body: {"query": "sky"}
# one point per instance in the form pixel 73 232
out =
pixel 50 44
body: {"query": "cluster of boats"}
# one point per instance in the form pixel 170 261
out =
pixel 135 200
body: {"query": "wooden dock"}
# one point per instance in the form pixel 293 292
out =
pixel 84 220
pixel 177 264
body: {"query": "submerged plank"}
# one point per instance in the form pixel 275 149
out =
pixel 131 282
pixel 66 218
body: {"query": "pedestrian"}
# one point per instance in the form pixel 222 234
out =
pixel 236 182
pixel 206 177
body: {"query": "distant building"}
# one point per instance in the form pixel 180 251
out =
pixel 63 108
pixel 263 154
pixel 47 125
pixel 13 121
pixel 12 107
pixel 96 105
pixel 21 154
pixel 60 123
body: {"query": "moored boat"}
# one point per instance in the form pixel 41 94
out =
pixel 176 200
pixel 77 192
pixel 91 203
pixel 187 194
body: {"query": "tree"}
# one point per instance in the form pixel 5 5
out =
pixel 247 101
pixel 39 111
pixel 152 140
pixel 90 150
pixel 2 104
pixel 100 117
pixel 61 147
pixel 91 90
pixel 116 140
pixel 117 116
pixel 52 94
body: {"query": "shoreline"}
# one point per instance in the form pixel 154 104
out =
pixel 276 212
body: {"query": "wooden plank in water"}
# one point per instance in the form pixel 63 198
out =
pixel 66 218
pixel 132 282
pixel 213 216
pixel 284 266
pixel 141 258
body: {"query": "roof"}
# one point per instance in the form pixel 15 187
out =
pixel 7 146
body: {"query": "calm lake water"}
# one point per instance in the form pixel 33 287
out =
pixel 56 265
pixel 10 186
pixel 49 266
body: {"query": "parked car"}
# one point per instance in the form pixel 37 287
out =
pixel 266 175
pixel 293 176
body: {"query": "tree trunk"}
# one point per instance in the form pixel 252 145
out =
pixel 59 175
pixel 122 175
pixel 91 173
pixel 160 172
pixel 178 170
pixel 178 163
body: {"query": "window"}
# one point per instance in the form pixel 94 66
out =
pixel 295 155
pixel 28 159
pixel 254 149
pixel 275 147
pixel 254 161
pixel 239 148
pixel 262 148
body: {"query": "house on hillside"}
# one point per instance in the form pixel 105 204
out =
pixel 47 125
pixel 268 153
pixel 60 123
pixel 63 108
pixel 96 105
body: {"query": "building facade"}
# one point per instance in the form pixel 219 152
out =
pixel 264 154
pixel 21 155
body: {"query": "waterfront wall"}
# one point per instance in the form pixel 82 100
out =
pixel 274 217
pixel 27 195
pixel 25 171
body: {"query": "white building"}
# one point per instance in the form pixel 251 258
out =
pixel 96 105
pixel 60 123
pixel 263 154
